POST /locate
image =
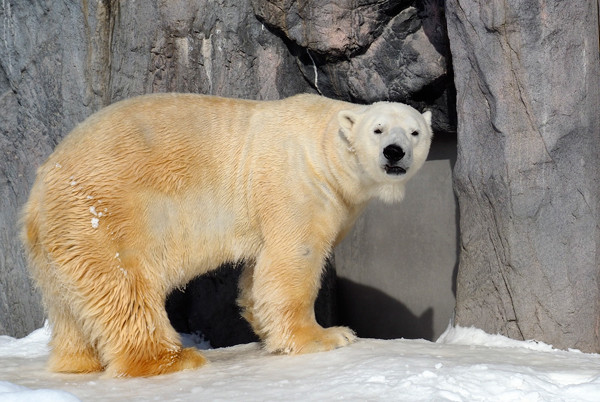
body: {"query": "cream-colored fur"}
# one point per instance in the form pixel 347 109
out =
pixel 150 192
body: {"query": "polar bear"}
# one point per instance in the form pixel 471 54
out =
pixel 153 191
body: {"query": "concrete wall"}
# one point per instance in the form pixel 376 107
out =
pixel 398 265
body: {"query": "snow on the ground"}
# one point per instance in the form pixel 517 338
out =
pixel 465 364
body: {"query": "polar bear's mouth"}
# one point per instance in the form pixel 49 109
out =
pixel 394 170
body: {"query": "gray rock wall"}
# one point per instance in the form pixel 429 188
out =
pixel 526 75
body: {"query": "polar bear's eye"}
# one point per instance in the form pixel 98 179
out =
pixel 378 131
pixel 414 133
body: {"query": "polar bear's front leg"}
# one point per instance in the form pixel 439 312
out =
pixel 284 288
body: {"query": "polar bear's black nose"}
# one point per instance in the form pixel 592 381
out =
pixel 393 153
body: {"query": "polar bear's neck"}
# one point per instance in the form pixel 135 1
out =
pixel 348 176
pixel 390 193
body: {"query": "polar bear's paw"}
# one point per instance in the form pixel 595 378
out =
pixel 190 358
pixel 318 339
pixel 81 361
pixel 168 362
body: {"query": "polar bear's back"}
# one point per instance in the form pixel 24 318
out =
pixel 158 123
pixel 160 129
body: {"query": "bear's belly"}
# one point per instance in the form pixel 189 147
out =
pixel 200 233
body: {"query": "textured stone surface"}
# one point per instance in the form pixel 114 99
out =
pixel 334 29
pixel 526 75
pixel 398 63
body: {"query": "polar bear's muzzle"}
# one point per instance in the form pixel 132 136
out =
pixel 394 154
pixel 394 170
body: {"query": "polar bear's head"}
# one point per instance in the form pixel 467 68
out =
pixel 390 142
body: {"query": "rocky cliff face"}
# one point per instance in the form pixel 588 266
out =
pixel 61 61
pixel 527 174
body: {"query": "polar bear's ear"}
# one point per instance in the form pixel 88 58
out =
pixel 347 119
pixel 427 116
